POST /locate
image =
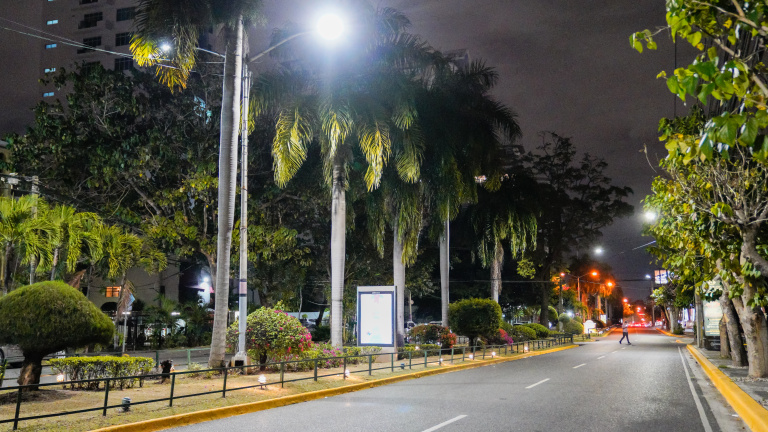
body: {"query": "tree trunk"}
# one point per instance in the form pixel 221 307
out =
pixel 54 262
pixel 736 344
pixel 756 334
pixel 4 271
pixel 498 261
pixel 725 349
pixel 262 361
pixel 320 314
pixel 699 333
pixel 338 250
pixel 398 272
pixel 230 119
pixel 31 369
pixel 445 265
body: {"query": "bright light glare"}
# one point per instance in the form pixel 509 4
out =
pixel 598 250
pixel 650 216
pixel 647 276
pixel 594 273
pixel 165 46
pixel 330 26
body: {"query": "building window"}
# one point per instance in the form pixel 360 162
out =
pixel 49 70
pixel 113 291
pixel 91 20
pixel 50 46
pixel 47 94
pixel 91 42
pixel 82 2
pixel 126 14
pixel 122 39
pixel 52 22
pixel 123 64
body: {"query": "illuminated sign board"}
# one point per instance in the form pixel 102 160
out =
pixel 376 316
pixel 712 315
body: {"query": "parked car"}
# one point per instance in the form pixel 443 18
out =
pixel 12 355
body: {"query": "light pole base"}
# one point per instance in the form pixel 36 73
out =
pixel 242 359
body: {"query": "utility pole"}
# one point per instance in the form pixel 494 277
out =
pixel 243 285
pixel 33 259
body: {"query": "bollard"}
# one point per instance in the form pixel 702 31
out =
pixel 451 355
pixel 425 358
pixel 410 358
pixel 315 369
pixel 392 360
pixel 282 374
pixel 224 390
pixel 18 408
pixel 189 357
pixel 126 404
pixel 370 364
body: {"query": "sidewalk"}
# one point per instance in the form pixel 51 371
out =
pixel 756 388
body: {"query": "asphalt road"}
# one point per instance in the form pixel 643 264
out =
pixel 600 386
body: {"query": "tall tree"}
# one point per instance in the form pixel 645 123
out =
pixel 465 132
pixel 171 30
pixel 577 200
pixel 354 104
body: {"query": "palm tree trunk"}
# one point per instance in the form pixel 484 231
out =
pixel 398 272
pixel 498 260
pixel 4 271
pixel 445 263
pixel 230 119
pixel 119 311
pixel 54 262
pixel 338 249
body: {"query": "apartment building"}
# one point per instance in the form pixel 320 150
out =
pixel 100 29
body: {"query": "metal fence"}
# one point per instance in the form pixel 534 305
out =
pixel 415 358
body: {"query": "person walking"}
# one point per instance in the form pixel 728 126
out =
pixel 625 332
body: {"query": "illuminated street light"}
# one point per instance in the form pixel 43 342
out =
pixel 625 300
pixel 330 26
pixel 598 250
pixel 650 216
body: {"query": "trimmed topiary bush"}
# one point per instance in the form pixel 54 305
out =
pixel 522 333
pixel 47 317
pixel 474 318
pixel 541 331
pixel 433 334
pixel 563 318
pixel 573 327
pixel 499 338
pixel 270 333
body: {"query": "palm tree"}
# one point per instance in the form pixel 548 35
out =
pixel 464 129
pixel 25 232
pixel 359 105
pixel 74 230
pixel 123 251
pixel 167 33
pixel 500 216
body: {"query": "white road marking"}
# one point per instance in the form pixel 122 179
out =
pixel 445 423
pixel 583 364
pixel 540 382
pixel 615 352
pixel 600 357
pixel 699 407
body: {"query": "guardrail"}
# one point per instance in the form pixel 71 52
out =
pixel 414 359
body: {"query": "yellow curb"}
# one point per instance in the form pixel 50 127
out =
pixel 250 407
pixel 753 414
pixel 667 333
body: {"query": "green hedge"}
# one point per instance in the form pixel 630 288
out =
pixel 541 331
pixel 523 333
pixel 573 327
pixel 402 352
pixel 87 368
pixel 324 353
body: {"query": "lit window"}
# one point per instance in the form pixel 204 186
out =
pixel 50 46
pixel 49 70
pixel 52 22
pixel 47 94
pixel 113 291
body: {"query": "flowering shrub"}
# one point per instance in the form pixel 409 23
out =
pixel 500 338
pixel 433 334
pixel 270 333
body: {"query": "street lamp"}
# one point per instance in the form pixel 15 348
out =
pixel 593 273
pixel 598 250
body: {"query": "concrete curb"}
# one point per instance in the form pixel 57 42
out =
pixel 223 412
pixel 753 414
pixel 666 333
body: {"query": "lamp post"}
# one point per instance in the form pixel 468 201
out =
pixel 578 282
pixel 653 302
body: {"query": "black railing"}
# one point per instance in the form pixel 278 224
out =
pixel 415 358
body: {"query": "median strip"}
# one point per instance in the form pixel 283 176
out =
pixel 246 408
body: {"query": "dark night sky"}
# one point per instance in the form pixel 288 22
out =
pixel 564 66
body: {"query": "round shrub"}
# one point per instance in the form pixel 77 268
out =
pixel 474 317
pixel 573 327
pixel 522 333
pixel 46 317
pixel 507 327
pixel 564 318
pixel 499 338
pixel 433 334
pixel 541 331
pixel 270 333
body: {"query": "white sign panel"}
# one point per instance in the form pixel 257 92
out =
pixel 712 315
pixel 376 316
